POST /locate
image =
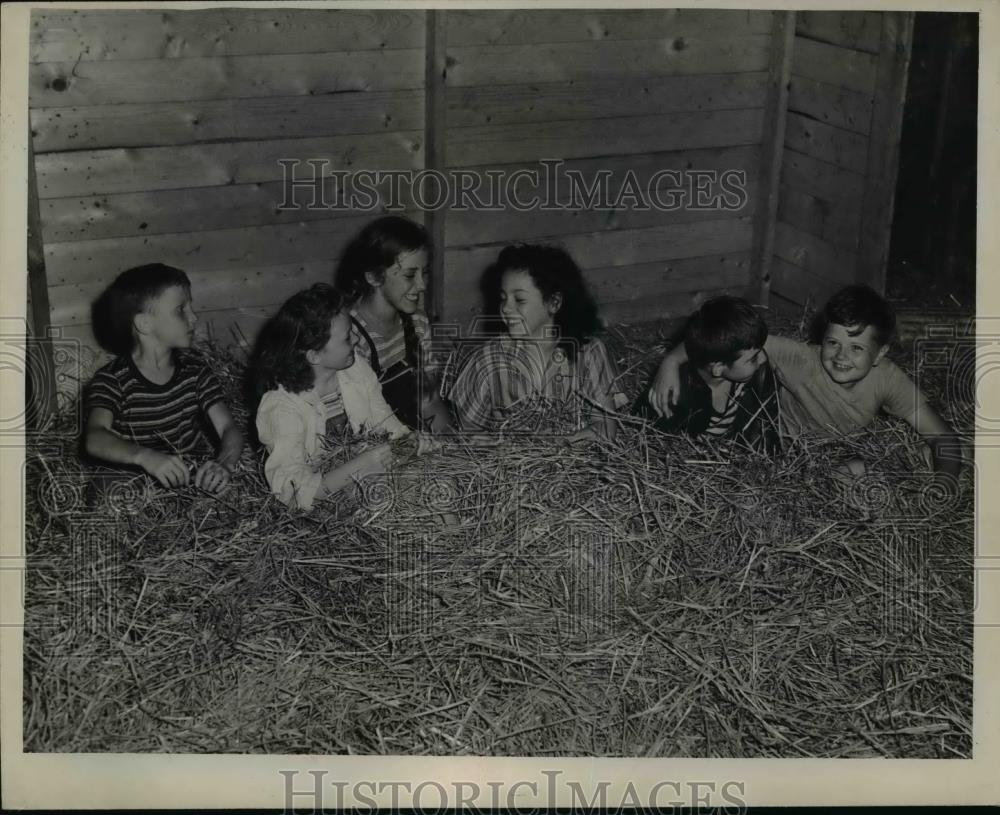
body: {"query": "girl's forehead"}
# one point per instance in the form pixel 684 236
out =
pixel 517 279
pixel 415 258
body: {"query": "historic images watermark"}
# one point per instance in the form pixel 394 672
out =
pixel 314 184
pixel 316 791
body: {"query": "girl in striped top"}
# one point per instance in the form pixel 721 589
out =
pixel 383 274
pixel 548 370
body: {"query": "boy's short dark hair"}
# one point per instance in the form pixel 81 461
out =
pixel 859 306
pixel 721 330
pixel 115 310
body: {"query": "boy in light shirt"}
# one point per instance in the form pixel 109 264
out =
pixel 841 384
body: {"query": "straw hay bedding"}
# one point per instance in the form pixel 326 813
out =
pixel 628 600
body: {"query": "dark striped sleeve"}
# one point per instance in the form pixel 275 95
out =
pixel 209 389
pixel 105 391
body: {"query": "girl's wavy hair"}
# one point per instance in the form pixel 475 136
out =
pixel 553 272
pixel 301 324
pixel 375 249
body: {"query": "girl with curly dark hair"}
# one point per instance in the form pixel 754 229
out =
pixel 548 365
pixel 309 381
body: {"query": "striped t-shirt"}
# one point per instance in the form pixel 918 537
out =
pixel 170 418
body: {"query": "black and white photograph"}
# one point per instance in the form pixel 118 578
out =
pixel 542 383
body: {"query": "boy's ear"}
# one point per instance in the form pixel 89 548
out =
pixel 881 353
pixel 311 356
pixel 716 369
pixel 374 279
pixel 141 322
pixel 555 302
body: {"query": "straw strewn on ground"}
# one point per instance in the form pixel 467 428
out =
pixel 642 598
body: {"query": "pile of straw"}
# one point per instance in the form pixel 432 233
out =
pixel 641 598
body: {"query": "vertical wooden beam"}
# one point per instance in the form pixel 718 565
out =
pixel 883 148
pixel 772 150
pixel 40 359
pixel 435 135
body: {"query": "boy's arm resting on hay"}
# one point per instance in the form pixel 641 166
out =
pixel 100 441
pixel 945 444
pixel 666 387
pixel 214 475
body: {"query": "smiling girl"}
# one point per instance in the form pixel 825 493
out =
pixel 549 365
pixel 310 382
pixel 383 274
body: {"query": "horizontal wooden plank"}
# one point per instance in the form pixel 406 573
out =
pixel 822 180
pixel 671 306
pixel 834 105
pixel 602 98
pixel 113 34
pixel 814 254
pixel 212 289
pixel 238 205
pixel 843 67
pixel 838 225
pixel 225 248
pixel 471 146
pixel 642 281
pixel 165 123
pixel 860 30
pixel 521 26
pixel 206 208
pixel 97 172
pixel 515 64
pixel 466 228
pixel 463 266
pixel 827 143
pixel 68 84
pixel 801 285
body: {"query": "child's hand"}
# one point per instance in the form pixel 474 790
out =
pixel 170 471
pixel 212 477
pixel 427 444
pixel 666 386
pixel 374 461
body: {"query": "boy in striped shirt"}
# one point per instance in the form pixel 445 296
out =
pixel 728 389
pixel 148 408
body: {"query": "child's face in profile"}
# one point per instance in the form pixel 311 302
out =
pixel 525 311
pixel 170 318
pixel 404 281
pixel 338 353
pixel 848 359
pixel 745 365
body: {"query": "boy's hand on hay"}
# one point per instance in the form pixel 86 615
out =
pixel 212 477
pixel 667 384
pixel 170 471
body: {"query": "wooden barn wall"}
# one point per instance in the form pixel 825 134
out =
pixel 157 136
pixel 608 90
pixel 838 170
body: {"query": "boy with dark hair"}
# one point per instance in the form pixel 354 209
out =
pixel 147 408
pixel 841 382
pixel 728 389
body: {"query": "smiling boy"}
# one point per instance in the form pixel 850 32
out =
pixel 840 383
